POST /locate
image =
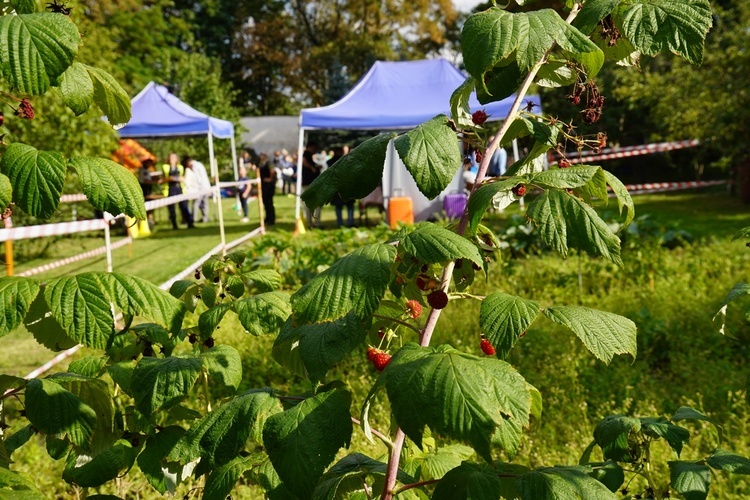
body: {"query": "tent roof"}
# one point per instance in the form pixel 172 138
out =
pixel 395 95
pixel 158 113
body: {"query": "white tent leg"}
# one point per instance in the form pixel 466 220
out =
pixel 108 245
pixel 300 151
pixel 219 208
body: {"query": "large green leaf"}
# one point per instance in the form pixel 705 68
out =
pixel 504 318
pixel 322 345
pixel 109 186
pixel 612 435
pixel 221 434
pixel 77 89
pixel 555 73
pixel 162 383
pixel 435 463
pixel 263 314
pixel 45 328
pixel 23 6
pixel 220 482
pixel 603 333
pixel 110 96
pixel 37 177
pixel 224 362
pixel 18 486
pixel 349 475
pixel 136 296
pixel 209 319
pixel 16 297
pixel 679 26
pixel 35 49
pixel 354 176
pixel 592 12
pixel 265 280
pixel 674 435
pixel 470 481
pixel 433 244
pixel 91 471
pixel 55 410
pixel 691 480
pixel 160 473
pixel 564 221
pixel 490 37
pixel 356 283
pixel 6 192
pixel 729 462
pixel 483 197
pixel 431 155
pixel 562 483
pixel 304 439
pixel 80 306
pixel 564 178
pixel 455 394
pixel 460 109
pixel 95 394
pixel 624 201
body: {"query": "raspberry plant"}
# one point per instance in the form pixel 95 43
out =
pixel 137 403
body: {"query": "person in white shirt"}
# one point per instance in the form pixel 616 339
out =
pixel 202 183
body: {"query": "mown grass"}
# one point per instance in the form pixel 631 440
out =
pixel 671 294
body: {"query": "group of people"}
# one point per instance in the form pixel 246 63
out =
pixel 174 178
pixel 496 167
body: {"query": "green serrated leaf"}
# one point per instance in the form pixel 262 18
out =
pixel 88 366
pixel 348 475
pixel 431 155
pixel 322 345
pixel 354 176
pixel 687 413
pixel 455 394
pixel 12 482
pixel 356 283
pixel 220 435
pixel 556 73
pixel 728 462
pixel 304 439
pixel 160 473
pixel 9 382
pixel 612 435
pixel 742 233
pixel 737 291
pixel 691 480
pixel 95 394
pixel 55 410
pixel 603 333
pixel 263 314
pixel 504 319
pixel 470 481
pixel 45 328
pixel 6 192
pixel 286 350
pixel 680 26
pixel 674 435
pixel 35 49
pixel 564 221
pixel 610 474
pixel 110 187
pixel 265 280
pixel 163 383
pixel 224 363
pixel 434 464
pixel 77 89
pixel 110 96
pixel 594 192
pixel 433 244
pixel 101 468
pixel 562 483
pixel 23 6
pixel 210 319
pixel 38 177
pixel 220 481
pixel 592 12
pixel 16 296
pixel 235 286
pixel 624 201
pixel 136 296
pixel 460 109
pixel 19 438
pixel 564 178
pixel 500 82
pixel 483 196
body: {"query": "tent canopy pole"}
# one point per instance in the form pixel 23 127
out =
pixel 215 172
pixel 300 151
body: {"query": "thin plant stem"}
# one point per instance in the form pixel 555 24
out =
pixel 434 315
pixel 400 322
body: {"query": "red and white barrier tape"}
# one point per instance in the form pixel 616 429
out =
pixel 43 230
pixel 626 151
pixel 657 187
pixel 73 198
pixel 76 258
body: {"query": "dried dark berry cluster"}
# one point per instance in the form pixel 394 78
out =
pixel 59 7
pixel 594 101
pixel 25 109
pixel 609 31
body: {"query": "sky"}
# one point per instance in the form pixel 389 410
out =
pixel 465 5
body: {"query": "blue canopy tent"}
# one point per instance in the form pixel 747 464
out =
pixel 156 113
pixel 394 96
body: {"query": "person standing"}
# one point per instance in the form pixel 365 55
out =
pixel 244 188
pixel 174 176
pixel 267 188
pixel 498 161
pixel 202 184
pixel 310 172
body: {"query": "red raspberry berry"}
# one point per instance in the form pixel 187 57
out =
pixel 563 163
pixel 438 299
pixel 414 308
pixel 519 190
pixel 371 352
pixel 487 347
pixel 380 360
pixel 479 117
